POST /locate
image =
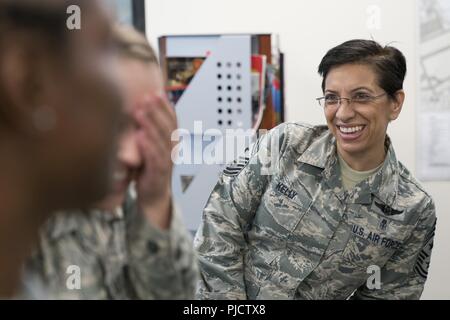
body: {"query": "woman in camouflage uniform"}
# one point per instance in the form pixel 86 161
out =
pixel 324 212
pixel 133 244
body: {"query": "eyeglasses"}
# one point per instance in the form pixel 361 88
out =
pixel 333 100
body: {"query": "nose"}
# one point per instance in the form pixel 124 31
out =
pixel 129 153
pixel 345 111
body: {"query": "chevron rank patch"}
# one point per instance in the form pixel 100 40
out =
pixel 234 168
pixel 424 257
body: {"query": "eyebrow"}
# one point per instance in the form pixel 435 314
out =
pixel 353 90
pixel 362 88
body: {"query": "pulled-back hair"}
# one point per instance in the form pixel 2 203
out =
pixel 130 43
pixel 388 63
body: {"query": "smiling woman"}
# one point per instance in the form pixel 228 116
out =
pixel 351 205
pixel 360 124
pixel 372 76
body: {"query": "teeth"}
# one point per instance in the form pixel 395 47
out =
pixel 351 129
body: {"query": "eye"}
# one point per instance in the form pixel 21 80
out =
pixel 362 96
pixel 331 98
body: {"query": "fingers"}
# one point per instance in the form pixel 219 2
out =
pixel 162 109
pixel 156 117
pixel 157 155
pixel 161 112
pixel 150 136
pixel 156 120
pixel 155 129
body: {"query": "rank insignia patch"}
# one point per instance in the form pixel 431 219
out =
pixel 424 257
pixel 236 167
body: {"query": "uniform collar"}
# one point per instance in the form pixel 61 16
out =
pixel 64 223
pixel 383 185
pixel 319 152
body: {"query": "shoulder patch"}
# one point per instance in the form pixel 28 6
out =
pixel 423 259
pixel 234 168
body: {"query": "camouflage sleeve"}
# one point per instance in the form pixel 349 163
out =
pixel 162 263
pixel 220 239
pixel 405 273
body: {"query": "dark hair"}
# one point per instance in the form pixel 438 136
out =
pixel 38 24
pixel 43 19
pixel 388 62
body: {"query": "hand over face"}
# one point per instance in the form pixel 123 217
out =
pixel 156 121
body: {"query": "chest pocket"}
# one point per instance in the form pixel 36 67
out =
pixel 282 208
pixel 374 238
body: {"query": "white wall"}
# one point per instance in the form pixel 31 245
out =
pixel 307 30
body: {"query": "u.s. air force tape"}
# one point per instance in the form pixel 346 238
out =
pixel 235 167
pixel 424 257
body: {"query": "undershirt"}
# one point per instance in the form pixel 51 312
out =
pixel 351 177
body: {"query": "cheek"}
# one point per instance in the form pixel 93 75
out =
pixel 329 117
pixel 378 122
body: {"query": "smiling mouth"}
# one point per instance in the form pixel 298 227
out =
pixel 350 129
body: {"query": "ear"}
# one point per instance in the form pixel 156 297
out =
pixel 12 77
pixel 396 105
pixel 20 78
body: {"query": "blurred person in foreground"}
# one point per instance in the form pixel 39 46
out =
pixel 59 117
pixel 131 245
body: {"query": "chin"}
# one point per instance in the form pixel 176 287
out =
pixel 351 147
pixel 355 146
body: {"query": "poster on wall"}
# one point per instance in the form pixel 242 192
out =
pixel 433 107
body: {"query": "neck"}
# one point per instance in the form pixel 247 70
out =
pixel 21 215
pixel 364 161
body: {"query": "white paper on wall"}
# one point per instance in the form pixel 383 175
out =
pixel 433 109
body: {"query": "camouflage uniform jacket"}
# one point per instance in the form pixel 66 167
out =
pixel 119 255
pixel 279 225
